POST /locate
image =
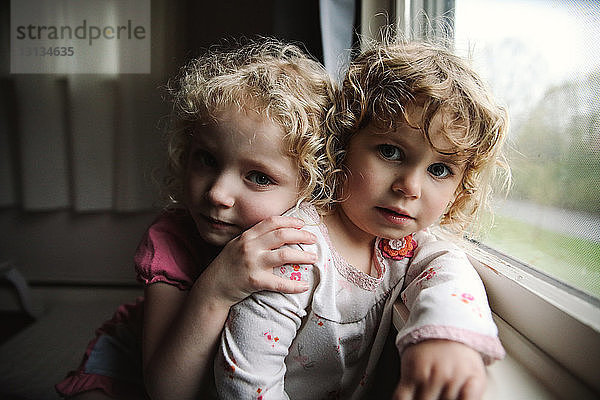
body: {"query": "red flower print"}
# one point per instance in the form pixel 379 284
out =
pixel 468 298
pixel 397 249
pixel 272 339
pixel 428 274
pixel 296 276
pixel 465 297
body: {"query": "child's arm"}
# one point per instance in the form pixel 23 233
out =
pixel 441 369
pixel 447 300
pixel 181 329
pixel 449 334
pixel 250 360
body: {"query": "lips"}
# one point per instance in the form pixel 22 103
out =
pixel 395 216
pixel 217 223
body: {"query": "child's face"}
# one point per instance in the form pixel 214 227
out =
pixel 237 175
pixel 398 184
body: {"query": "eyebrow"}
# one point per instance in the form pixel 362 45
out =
pixel 456 160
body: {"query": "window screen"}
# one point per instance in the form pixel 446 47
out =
pixel 542 59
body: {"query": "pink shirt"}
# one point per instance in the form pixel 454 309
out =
pixel 171 251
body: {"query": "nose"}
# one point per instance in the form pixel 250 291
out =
pixel 408 182
pixel 221 192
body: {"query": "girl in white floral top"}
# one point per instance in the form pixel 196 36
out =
pixel 415 140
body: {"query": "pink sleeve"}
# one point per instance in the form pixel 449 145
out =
pixel 170 252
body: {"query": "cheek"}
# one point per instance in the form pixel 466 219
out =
pixel 366 179
pixel 194 188
pixel 444 199
pixel 257 209
pixel 441 207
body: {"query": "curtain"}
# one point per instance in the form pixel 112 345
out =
pixel 85 142
pixel 337 30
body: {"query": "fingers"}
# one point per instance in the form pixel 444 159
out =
pixel 438 369
pixel 282 236
pixel 251 256
pixel 288 255
pixel 420 388
pixel 275 232
pixel 269 251
pixel 404 392
pixel 473 389
pixel 277 284
pixel 273 223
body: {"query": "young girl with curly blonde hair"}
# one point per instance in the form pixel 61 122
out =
pixel 246 144
pixel 415 138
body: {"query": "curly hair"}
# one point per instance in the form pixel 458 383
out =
pixel 383 80
pixel 274 79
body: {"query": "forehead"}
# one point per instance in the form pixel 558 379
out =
pixel 442 130
pixel 241 126
pixel 244 136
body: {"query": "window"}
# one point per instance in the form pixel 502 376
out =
pixel 542 59
pixel 541 261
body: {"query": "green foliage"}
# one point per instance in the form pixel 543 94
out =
pixel 569 259
pixel 556 160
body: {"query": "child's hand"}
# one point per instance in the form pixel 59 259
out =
pixel 440 369
pixel 245 265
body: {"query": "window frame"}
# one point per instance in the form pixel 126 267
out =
pixel 528 305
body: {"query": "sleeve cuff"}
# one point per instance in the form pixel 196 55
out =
pixel 489 347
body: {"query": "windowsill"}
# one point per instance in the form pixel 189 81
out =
pixel 507 379
pixel 523 385
pixel 551 336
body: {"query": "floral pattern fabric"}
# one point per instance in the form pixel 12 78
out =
pixel 325 342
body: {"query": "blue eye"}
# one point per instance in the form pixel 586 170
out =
pixel 439 170
pixel 259 178
pixel 390 152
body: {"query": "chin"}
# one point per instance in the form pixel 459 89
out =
pixel 216 240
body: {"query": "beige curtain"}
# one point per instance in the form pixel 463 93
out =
pixel 86 142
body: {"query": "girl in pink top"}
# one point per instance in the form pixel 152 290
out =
pixel 245 145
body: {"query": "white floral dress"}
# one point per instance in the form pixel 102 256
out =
pixel 324 343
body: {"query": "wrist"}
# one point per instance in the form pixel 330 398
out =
pixel 209 293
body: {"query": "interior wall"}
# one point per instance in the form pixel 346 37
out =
pixel 64 245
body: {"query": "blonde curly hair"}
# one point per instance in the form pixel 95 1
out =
pixel 274 79
pixel 383 80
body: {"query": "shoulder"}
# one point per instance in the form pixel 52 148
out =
pixel 171 232
pixel 170 251
pixel 306 212
pixel 173 222
pixel 441 254
pixel 428 242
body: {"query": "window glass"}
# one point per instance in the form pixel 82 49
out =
pixel 542 59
